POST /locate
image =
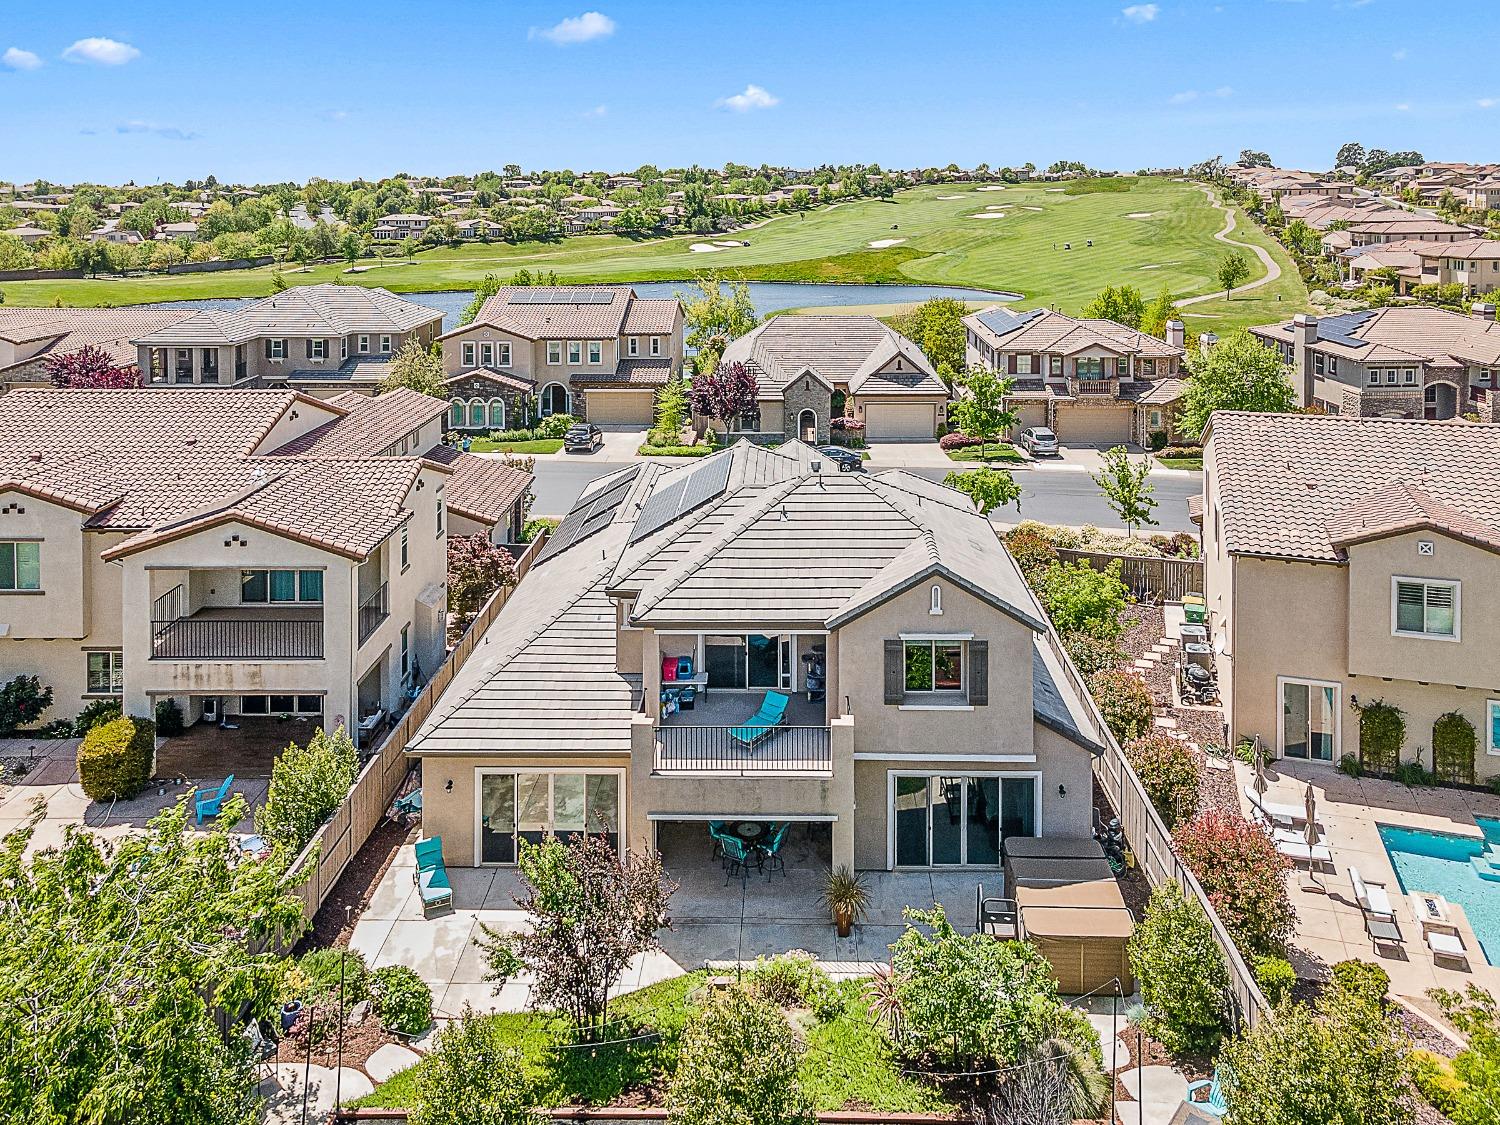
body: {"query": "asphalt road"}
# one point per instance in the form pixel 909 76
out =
pixel 1050 495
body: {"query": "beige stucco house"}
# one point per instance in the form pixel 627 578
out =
pixel 244 552
pixel 931 711
pixel 596 352
pixel 1473 264
pixel 1350 560
pixel 31 336
pixel 1091 381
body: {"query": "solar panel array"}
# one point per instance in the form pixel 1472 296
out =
pixel 562 297
pixel 1002 321
pixel 589 515
pixel 1338 329
pixel 699 486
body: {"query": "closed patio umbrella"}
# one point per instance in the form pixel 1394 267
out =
pixel 1259 780
pixel 1310 805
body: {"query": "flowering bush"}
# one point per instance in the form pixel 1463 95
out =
pixel 1168 773
pixel 1123 701
pixel 1244 876
pixel 957 440
pixel 1031 550
pixel 848 425
pixel 1093 654
pixel 476 569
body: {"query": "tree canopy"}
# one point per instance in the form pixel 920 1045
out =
pixel 92 368
pixel 1234 270
pixel 980 409
pixel 418 368
pixel 989 488
pixel 1239 373
pixel 1122 304
pixel 724 392
pixel 1127 487
pixel 721 312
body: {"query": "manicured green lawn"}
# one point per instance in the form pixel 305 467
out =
pixel 1181 462
pixel 994 455
pixel 1167 242
pixel 676 450
pixel 537 445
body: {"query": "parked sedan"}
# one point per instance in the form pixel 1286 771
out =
pixel 583 438
pixel 1039 441
pixel 847 460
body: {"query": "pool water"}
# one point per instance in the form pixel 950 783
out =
pixel 1440 862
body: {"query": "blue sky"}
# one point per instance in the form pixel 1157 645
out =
pixel 153 90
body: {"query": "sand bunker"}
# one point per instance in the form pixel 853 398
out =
pixel 882 243
pixel 1033 208
pixel 1150 267
pixel 992 187
pixel 706 248
pixel 989 215
pixel 1140 214
pixel 1057 190
pixel 950 197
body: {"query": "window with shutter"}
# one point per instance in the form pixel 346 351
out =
pixel 979 673
pixel 895 671
pixel 1425 608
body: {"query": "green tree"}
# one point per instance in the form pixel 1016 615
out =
pixel 1080 599
pixel 721 312
pixel 1234 270
pixel 14 254
pixel 1477 1015
pixel 1122 304
pixel 121 956
pixel 1161 309
pixel 308 783
pixel 1239 373
pixel 476 569
pixel 1127 488
pixel 474 1077
pixel 1181 972
pixel 738 1065
pixel 671 413
pixel 1351 155
pixel 417 368
pixel 936 325
pixel 988 488
pixel 980 410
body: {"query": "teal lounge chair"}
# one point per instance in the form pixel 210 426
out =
pixel 1215 1105
pixel 431 876
pixel 212 802
pixel 772 714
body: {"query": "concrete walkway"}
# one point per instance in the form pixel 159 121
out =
pixel 1272 267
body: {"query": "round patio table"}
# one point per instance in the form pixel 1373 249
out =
pixel 748 830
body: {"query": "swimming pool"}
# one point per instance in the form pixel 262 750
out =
pixel 1440 862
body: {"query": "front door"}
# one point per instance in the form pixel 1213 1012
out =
pixel 1309 719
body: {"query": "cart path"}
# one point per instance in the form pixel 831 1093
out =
pixel 1273 269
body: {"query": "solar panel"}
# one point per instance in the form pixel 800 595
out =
pixel 699 486
pixel 1001 321
pixel 1338 329
pixel 562 297
pixel 589 515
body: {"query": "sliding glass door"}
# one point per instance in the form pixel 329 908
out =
pixel 532 805
pixel 1309 719
pixel 951 820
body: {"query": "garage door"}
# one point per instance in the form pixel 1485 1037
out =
pixel 900 421
pixel 1093 425
pixel 1028 414
pixel 621 408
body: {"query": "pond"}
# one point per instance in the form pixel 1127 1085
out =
pixel 767 296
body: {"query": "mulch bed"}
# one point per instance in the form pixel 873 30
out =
pixel 332 926
pixel 359 1044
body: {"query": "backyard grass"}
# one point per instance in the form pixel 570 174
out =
pixel 536 445
pixel 1005 454
pixel 1195 463
pixel 1154 233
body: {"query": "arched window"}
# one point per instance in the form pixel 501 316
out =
pixel 476 414
pixel 935 608
pixel 497 414
pixel 456 415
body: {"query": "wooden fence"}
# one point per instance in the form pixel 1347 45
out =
pixel 335 844
pixel 1150 579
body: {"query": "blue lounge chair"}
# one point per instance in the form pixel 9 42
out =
pixel 212 802
pixel 1215 1105
pixel 431 876
pixel 407 806
pixel 772 714
pixel 771 850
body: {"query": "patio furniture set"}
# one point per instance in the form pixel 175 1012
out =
pixel 744 844
pixel 1439 932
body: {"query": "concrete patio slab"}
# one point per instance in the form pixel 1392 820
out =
pixel 389 1059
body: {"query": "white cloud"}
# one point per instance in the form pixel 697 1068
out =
pixel 753 97
pixel 1402 107
pixel 103 52
pixel 597 111
pixel 17 59
pixel 166 132
pixel 1141 13
pixel 1487 103
pixel 1399 54
pixel 576 29
pixel 1183 97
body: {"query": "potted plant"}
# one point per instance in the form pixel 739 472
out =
pixel 294 984
pixel 847 898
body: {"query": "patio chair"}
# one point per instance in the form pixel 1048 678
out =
pixel 1274 814
pixel 407 806
pixel 1215 1103
pixel 771 850
pixel 1371 896
pixel 770 715
pixel 997 917
pixel 739 857
pixel 717 830
pixel 212 802
pixel 431 875
pixel 1298 850
pixel 1443 942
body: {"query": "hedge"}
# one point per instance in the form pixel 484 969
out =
pixel 115 759
pixel 1382 733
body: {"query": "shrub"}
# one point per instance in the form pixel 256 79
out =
pixel 1080 599
pixel 535 527
pixel 97 713
pixel 22 702
pixel 555 425
pixel 1349 765
pixel 1363 979
pixel 1093 654
pixel 114 759
pixel 796 980
pixel 1453 743
pixel 1168 773
pixel 1179 545
pixel 1276 978
pixel 1158 440
pixel 1180 451
pixel 1437 1081
pixel 1181 971
pixel 1244 876
pixel 169 718
pixel 307 786
pixel 476 569
pixel 1382 733
pixel 473 1077
pixel 956 440
pixel 738 1062
pixel 512 435
pixel 402 1000
pixel 321 968
pixel 1411 774
pixel 1032 552
pixel 1123 701
pixel 57 728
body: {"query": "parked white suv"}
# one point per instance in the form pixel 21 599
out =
pixel 1039 441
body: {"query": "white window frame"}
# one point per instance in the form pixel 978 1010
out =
pixel 406 652
pixel 632 345
pixel 596 353
pixel 1491 710
pixel 364 345
pixel 487 354
pixel 1023 363
pixel 1409 378
pixel 1338 717
pixel 405 548
pixel 962 691
pixel 468 353
pixel 1458 605
pixel 554 353
pixel 890 813
pixel 575 353
pixel 114 672
pixel 656 345
pixel 318 348
pixel 277 348
pixel 480 772
pixel 503 353
pixel 343 348
pixel 385 345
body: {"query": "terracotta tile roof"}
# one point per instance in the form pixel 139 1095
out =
pixel 1153 392
pixel 370 426
pixel 305 310
pixel 1299 486
pixel 629 373
pixel 506 379
pixel 537 312
pixel 1042 330
pixel 483 488
pixel 650 317
pixel 68 330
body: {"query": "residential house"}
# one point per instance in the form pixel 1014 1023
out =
pixel 813 369
pixel 321 339
pixel 1350 561
pixel 30 336
pixel 1484 195
pixel 1410 361
pixel 757 571
pixel 29 234
pixel 394 228
pixel 478 229
pixel 1093 382
pixel 248 553
pixel 596 352
pixel 175 232
pixel 117 235
pixel 1473 264
pixel 1374 232
pixel 595 214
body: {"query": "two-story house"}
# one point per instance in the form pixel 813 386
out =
pixel 1350 560
pixel 596 352
pixel 1412 361
pixel 322 340
pixel 244 552
pixel 394 228
pixel 1473 264
pixel 31 336
pixel 812 369
pixel 1093 382
pixel 929 710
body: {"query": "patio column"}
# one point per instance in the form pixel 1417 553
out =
pixel 651 673
pixel 841 750
pixel 638 833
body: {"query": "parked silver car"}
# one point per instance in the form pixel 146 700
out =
pixel 1039 441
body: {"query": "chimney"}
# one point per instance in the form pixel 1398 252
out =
pixel 1206 342
pixel 1305 333
pixel 1176 333
pixel 1482 310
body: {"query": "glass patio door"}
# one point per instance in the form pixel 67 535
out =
pixel 1309 715
pixel 956 821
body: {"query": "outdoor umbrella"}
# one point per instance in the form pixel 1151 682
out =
pixel 1310 804
pixel 1260 770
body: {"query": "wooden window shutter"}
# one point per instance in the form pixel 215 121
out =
pixel 268 348
pixel 979 673
pixel 307 348
pixel 1010 364
pixel 895 672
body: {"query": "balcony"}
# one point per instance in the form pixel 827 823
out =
pixel 1096 387
pixel 239 633
pixel 373 610
pixel 703 740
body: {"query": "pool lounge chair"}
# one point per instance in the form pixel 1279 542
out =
pixel 1273 813
pixel 1297 850
pixel 1371 896
pixel 1444 942
pixel 431 875
pixel 771 714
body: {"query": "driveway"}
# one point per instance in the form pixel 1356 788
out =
pixel 907 455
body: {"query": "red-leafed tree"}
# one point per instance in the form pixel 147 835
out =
pixel 726 392
pixel 476 569
pixel 1245 877
pixel 93 369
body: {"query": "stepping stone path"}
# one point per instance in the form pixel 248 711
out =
pixel 1165 722
pixel 284 1093
pixel 390 1059
pixel 353 1083
pixel 1162 1090
pixel 1116 1054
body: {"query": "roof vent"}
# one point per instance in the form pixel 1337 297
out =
pixel 35 457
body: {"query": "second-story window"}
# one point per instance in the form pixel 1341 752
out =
pixel 656 345
pixel 1056 366
pixel 632 345
pixel 468 353
pixel 405 651
pixel 504 347
pixel 385 345
pixel 267 586
pixel 317 349
pixel 486 354
pixel 405 552
pixel 554 352
pixel 1023 364
pixel 934 666
pixel 1423 607
pixel 596 352
pixel 575 351
pixel 20 566
pixel 275 349
pixel 442 507
pixel 364 345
